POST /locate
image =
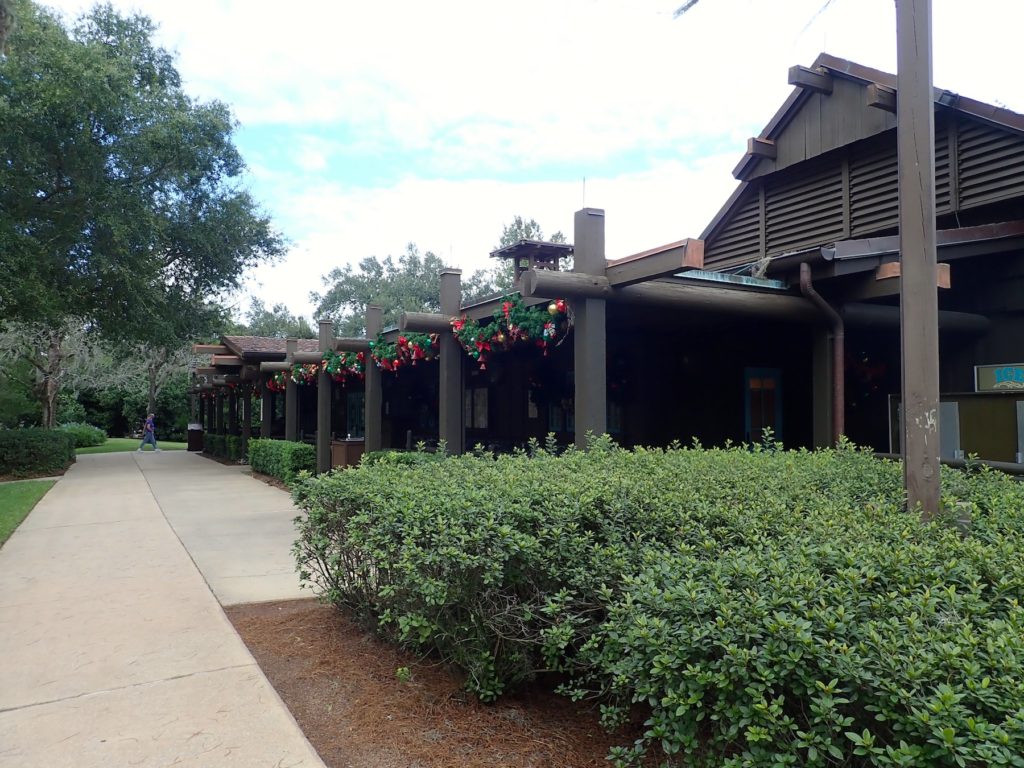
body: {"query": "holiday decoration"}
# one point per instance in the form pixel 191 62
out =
pixel 408 349
pixel 279 381
pixel 305 374
pixel 345 366
pixel 514 323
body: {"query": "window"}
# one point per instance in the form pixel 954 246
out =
pixel 475 408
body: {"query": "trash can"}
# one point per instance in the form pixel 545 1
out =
pixel 195 437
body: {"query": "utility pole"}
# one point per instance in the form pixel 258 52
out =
pixel 919 303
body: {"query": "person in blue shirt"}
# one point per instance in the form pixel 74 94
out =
pixel 148 434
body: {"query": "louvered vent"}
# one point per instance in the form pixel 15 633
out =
pixel 804 212
pixel 991 164
pixel 942 200
pixel 739 241
pixel 873 192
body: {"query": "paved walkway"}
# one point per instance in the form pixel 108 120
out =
pixel 113 648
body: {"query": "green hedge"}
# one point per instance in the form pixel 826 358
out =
pixel 282 459
pixel 84 435
pixel 404 458
pixel 215 445
pixel 764 607
pixel 35 452
pixel 233 448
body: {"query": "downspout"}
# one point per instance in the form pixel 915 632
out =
pixel 838 351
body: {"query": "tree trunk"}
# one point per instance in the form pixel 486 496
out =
pixel 153 392
pixel 48 386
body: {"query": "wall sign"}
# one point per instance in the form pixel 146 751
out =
pixel 999 378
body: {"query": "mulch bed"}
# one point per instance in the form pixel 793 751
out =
pixel 340 684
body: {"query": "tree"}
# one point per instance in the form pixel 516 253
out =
pixel 501 277
pixel 119 195
pixel 276 321
pixel 519 229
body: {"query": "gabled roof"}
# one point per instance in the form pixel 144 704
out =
pixel 264 347
pixel 875 105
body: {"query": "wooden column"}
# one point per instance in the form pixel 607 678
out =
pixel 324 387
pixel 219 411
pixel 821 389
pixel 291 399
pixel 211 425
pixel 201 404
pixel 374 431
pixel 266 408
pixel 915 141
pixel 589 336
pixel 452 386
pixel 232 412
pixel 246 417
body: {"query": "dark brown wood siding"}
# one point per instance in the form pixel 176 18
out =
pixel 738 241
pixel 991 164
pixel 806 209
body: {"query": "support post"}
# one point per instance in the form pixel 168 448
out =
pixel 452 385
pixel 323 401
pixel 266 408
pixel 211 424
pixel 233 411
pixel 373 398
pixel 201 407
pixel 919 329
pixel 246 418
pixel 821 387
pixel 219 411
pixel 589 333
pixel 291 399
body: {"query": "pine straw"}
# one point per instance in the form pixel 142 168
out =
pixel 341 686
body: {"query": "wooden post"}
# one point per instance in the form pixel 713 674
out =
pixel 589 333
pixel 266 408
pixel 201 403
pixel 291 399
pixel 219 412
pixel 211 424
pixel 821 388
pixel 452 385
pixel 232 411
pixel 915 139
pixel 246 417
pixel 323 402
pixel 374 432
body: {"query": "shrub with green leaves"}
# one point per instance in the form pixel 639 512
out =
pixel 764 607
pixel 84 435
pixel 406 458
pixel 215 445
pixel 34 452
pixel 282 459
pixel 233 448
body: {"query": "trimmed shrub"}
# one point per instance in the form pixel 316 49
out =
pixel 233 448
pixel 402 458
pixel 34 452
pixel 215 445
pixel 764 607
pixel 84 435
pixel 282 459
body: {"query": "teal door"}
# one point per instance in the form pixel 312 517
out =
pixel 763 403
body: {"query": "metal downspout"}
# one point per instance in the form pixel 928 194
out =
pixel 838 351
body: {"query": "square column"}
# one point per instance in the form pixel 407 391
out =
pixel 589 331
pixel 246 418
pixel 324 387
pixel 452 385
pixel 291 398
pixel 232 412
pixel 373 399
pixel 219 411
pixel 266 408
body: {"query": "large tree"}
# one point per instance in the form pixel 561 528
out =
pixel 120 200
pixel 278 322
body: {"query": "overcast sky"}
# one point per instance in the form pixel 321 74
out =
pixel 369 125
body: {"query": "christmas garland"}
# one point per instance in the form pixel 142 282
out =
pixel 406 350
pixel 345 365
pixel 514 323
pixel 306 373
pixel 279 381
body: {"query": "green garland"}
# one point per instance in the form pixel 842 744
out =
pixel 342 366
pixel 408 349
pixel 306 373
pixel 513 323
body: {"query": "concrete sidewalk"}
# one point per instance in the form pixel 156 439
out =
pixel 114 651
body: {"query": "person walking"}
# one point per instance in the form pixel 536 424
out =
pixel 148 434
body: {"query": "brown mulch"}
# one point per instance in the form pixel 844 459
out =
pixel 340 684
pixel 271 480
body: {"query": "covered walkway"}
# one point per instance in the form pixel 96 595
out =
pixel 115 650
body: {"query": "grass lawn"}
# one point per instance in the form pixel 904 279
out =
pixel 17 500
pixel 124 444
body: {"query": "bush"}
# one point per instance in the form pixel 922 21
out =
pixel 34 452
pixel 84 435
pixel 403 458
pixel 215 445
pixel 764 607
pixel 282 459
pixel 233 448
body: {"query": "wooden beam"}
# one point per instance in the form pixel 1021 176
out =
pixel 451 385
pixel 227 361
pixel 210 349
pixel 291 398
pixel 694 296
pixel 758 147
pixel 816 80
pixel 426 322
pixel 305 358
pixel 893 269
pixel 670 259
pixel 206 371
pixel 880 97
pixel 351 344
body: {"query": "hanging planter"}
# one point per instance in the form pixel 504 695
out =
pixel 345 366
pixel 513 324
pixel 408 349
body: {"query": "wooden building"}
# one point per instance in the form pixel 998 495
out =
pixel 783 315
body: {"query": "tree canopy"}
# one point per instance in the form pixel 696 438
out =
pixel 120 202
pixel 277 321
